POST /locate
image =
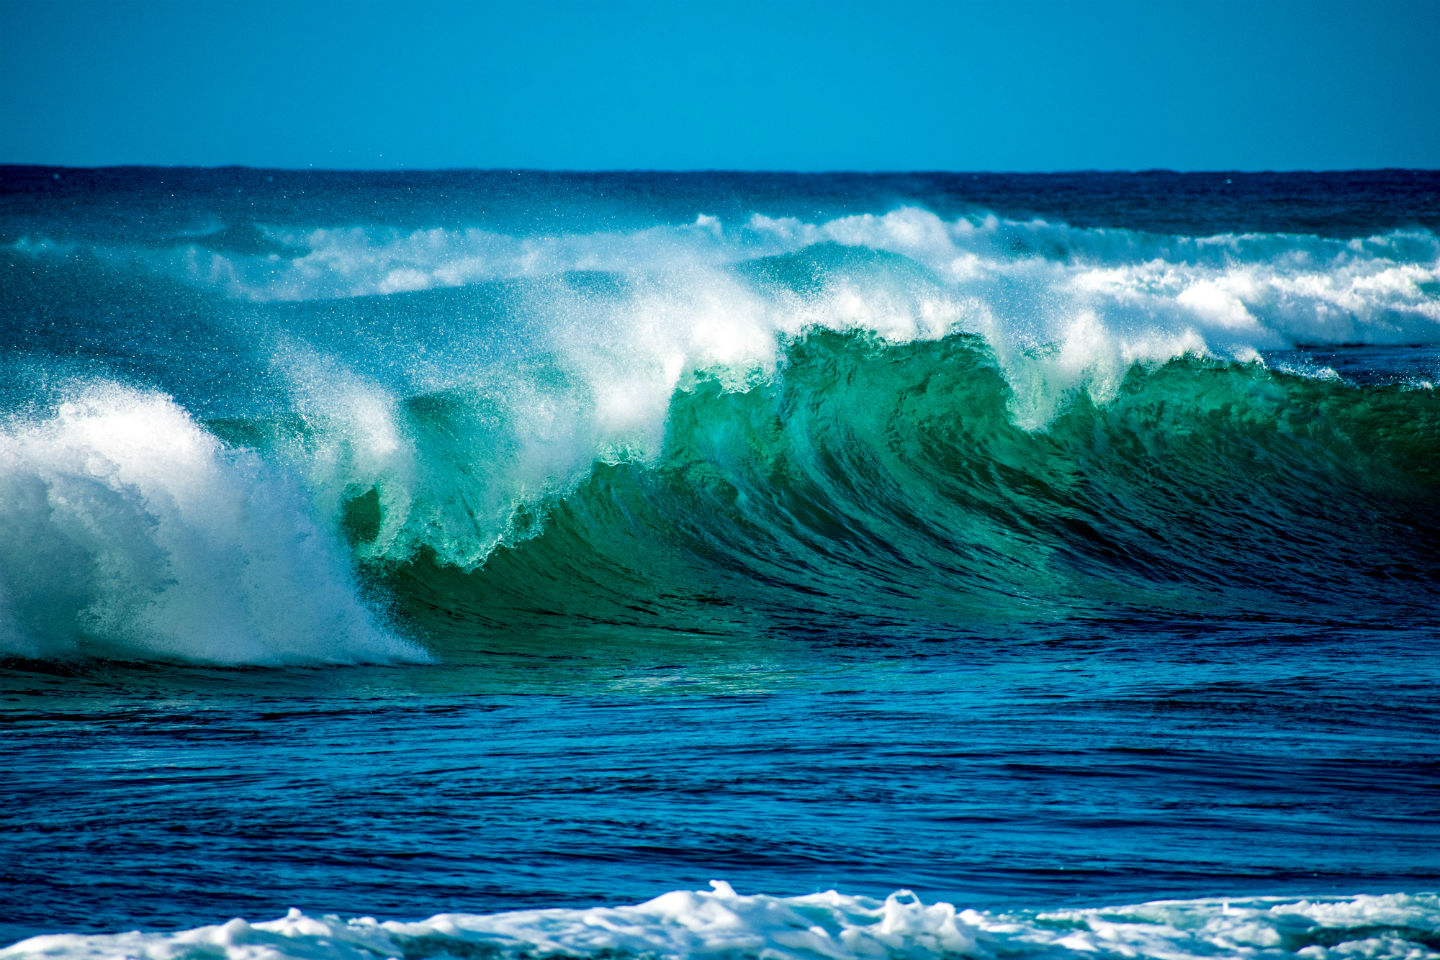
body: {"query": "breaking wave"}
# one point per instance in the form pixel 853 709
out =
pixel 722 923
pixel 877 418
pixel 134 533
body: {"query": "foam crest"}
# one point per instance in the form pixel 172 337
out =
pixel 134 533
pixel 459 459
pixel 1232 293
pixel 1235 293
pixel 1260 289
pixel 722 923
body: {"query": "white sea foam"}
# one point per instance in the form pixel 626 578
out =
pixel 132 532
pixel 1250 291
pixel 721 923
pixel 1258 290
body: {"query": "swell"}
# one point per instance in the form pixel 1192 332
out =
pixel 860 489
pixel 870 487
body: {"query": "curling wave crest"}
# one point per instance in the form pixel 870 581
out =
pixel 134 533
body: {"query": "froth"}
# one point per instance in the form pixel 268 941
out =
pixel 1021 283
pixel 134 533
pixel 722 923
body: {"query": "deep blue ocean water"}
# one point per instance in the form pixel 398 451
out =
pixel 462 542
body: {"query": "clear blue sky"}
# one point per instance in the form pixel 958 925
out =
pixel 785 85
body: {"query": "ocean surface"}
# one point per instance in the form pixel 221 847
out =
pixel 480 564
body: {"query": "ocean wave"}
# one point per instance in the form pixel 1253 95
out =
pixel 715 425
pixel 721 923
pixel 872 480
pixel 856 480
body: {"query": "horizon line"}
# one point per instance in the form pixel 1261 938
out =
pixel 6 165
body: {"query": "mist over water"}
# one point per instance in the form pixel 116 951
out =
pixel 1025 542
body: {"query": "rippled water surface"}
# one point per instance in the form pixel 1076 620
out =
pixel 407 544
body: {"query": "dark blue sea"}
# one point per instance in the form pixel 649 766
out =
pixel 510 564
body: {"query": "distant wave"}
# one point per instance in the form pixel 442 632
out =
pixel 721 923
pixel 1256 289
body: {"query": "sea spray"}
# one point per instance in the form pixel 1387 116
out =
pixel 973 417
pixel 134 533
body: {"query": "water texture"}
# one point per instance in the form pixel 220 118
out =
pixel 450 543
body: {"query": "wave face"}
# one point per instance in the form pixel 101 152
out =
pixel 722 923
pixel 873 482
pixel 639 413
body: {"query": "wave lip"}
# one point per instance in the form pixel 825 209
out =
pixel 133 533
pixel 722 923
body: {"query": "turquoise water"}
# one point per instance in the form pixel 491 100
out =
pixel 407 544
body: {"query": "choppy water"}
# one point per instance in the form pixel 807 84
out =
pixel 409 544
